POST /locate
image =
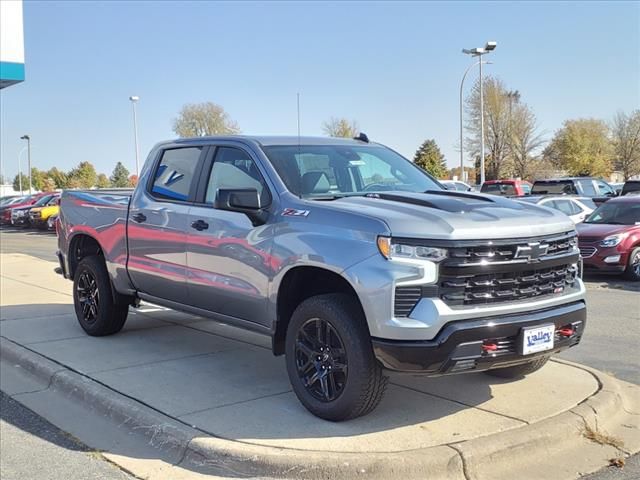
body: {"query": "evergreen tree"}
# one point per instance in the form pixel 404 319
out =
pixel 429 158
pixel 120 176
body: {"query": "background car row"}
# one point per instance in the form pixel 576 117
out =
pixel 39 210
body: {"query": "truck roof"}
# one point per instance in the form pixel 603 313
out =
pixel 267 140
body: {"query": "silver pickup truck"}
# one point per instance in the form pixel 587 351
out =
pixel 353 260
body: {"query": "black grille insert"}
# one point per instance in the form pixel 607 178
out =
pixel 506 286
pixel 406 299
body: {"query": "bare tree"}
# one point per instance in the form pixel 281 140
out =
pixel 340 127
pixel 524 140
pixel 625 130
pixel 200 119
pixel 497 103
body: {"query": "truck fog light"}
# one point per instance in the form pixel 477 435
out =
pixel 612 259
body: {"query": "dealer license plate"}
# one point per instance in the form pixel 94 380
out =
pixel 537 339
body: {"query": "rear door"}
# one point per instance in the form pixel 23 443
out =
pixel 228 257
pixel 158 223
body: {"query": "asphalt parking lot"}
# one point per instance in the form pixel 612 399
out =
pixel 613 329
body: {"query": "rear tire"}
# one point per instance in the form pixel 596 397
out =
pixel 632 272
pixel 96 310
pixel 518 371
pixel 330 360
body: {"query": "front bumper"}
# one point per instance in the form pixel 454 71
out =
pixel 458 348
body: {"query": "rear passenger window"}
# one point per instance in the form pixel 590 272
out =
pixel 175 173
pixel 233 168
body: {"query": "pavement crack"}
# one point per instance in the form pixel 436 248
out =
pixel 232 403
pixel 465 467
pixel 36 286
pixel 442 397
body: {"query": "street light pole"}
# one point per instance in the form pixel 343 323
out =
pixel 134 99
pixel 478 52
pixel 20 168
pixel 28 139
pixel 461 118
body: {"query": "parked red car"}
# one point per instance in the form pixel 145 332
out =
pixel 5 211
pixel 609 239
pixel 512 188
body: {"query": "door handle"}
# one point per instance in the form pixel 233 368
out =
pixel 139 217
pixel 200 225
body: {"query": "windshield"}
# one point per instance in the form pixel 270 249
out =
pixel 338 170
pixel 43 201
pixel 498 189
pixel 621 213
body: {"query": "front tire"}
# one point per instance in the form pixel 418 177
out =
pixel 518 371
pixel 96 310
pixel 632 272
pixel 330 360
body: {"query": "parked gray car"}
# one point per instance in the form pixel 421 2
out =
pixel 353 260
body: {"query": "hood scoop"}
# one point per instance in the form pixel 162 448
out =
pixel 454 202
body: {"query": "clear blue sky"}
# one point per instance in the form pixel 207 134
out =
pixel 394 67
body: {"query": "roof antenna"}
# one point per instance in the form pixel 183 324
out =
pixel 298 118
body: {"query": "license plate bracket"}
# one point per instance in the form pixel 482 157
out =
pixel 536 339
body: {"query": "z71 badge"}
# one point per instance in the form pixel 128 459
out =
pixel 294 212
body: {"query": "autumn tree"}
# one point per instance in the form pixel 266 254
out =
pixel 120 176
pixel 524 141
pixel 103 181
pixel 340 127
pixel 581 147
pixel 201 119
pixel 133 181
pixel 37 179
pixel 83 176
pixel 498 108
pixel 625 132
pixel 48 185
pixel 429 158
pixel 58 176
pixel 17 184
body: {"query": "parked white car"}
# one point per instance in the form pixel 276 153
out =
pixel 457 185
pixel 576 208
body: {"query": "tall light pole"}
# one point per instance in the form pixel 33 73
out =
pixel 134 99
pixel 478 52
pixel 20 168
pixel 461 115
pixel 28 139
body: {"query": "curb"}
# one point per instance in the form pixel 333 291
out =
pixel 551 448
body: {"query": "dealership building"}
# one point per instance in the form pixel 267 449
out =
pixel 11 43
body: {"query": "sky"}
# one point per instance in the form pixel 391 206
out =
pixel 394 67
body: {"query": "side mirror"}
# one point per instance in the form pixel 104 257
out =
pixel 241 200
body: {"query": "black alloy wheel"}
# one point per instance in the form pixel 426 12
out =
pixel 88 296
pixel 321 360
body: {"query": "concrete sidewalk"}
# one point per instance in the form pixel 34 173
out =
pixel 174 395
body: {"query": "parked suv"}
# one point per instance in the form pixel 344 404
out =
pixel 610 238
pixel 349 257
pixel 595 188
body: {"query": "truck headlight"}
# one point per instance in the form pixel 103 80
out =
pixel 612 240
pixel 390 249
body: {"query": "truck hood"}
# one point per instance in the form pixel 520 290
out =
pixel 451 215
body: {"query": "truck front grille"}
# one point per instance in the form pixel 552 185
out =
pixel 500 251
pixel 506 286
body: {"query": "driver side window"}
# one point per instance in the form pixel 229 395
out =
pixel 233 168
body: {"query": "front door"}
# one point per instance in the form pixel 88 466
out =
pixel 228 258
pixel 157 224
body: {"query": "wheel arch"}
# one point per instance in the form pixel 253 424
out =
pixel 298 284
